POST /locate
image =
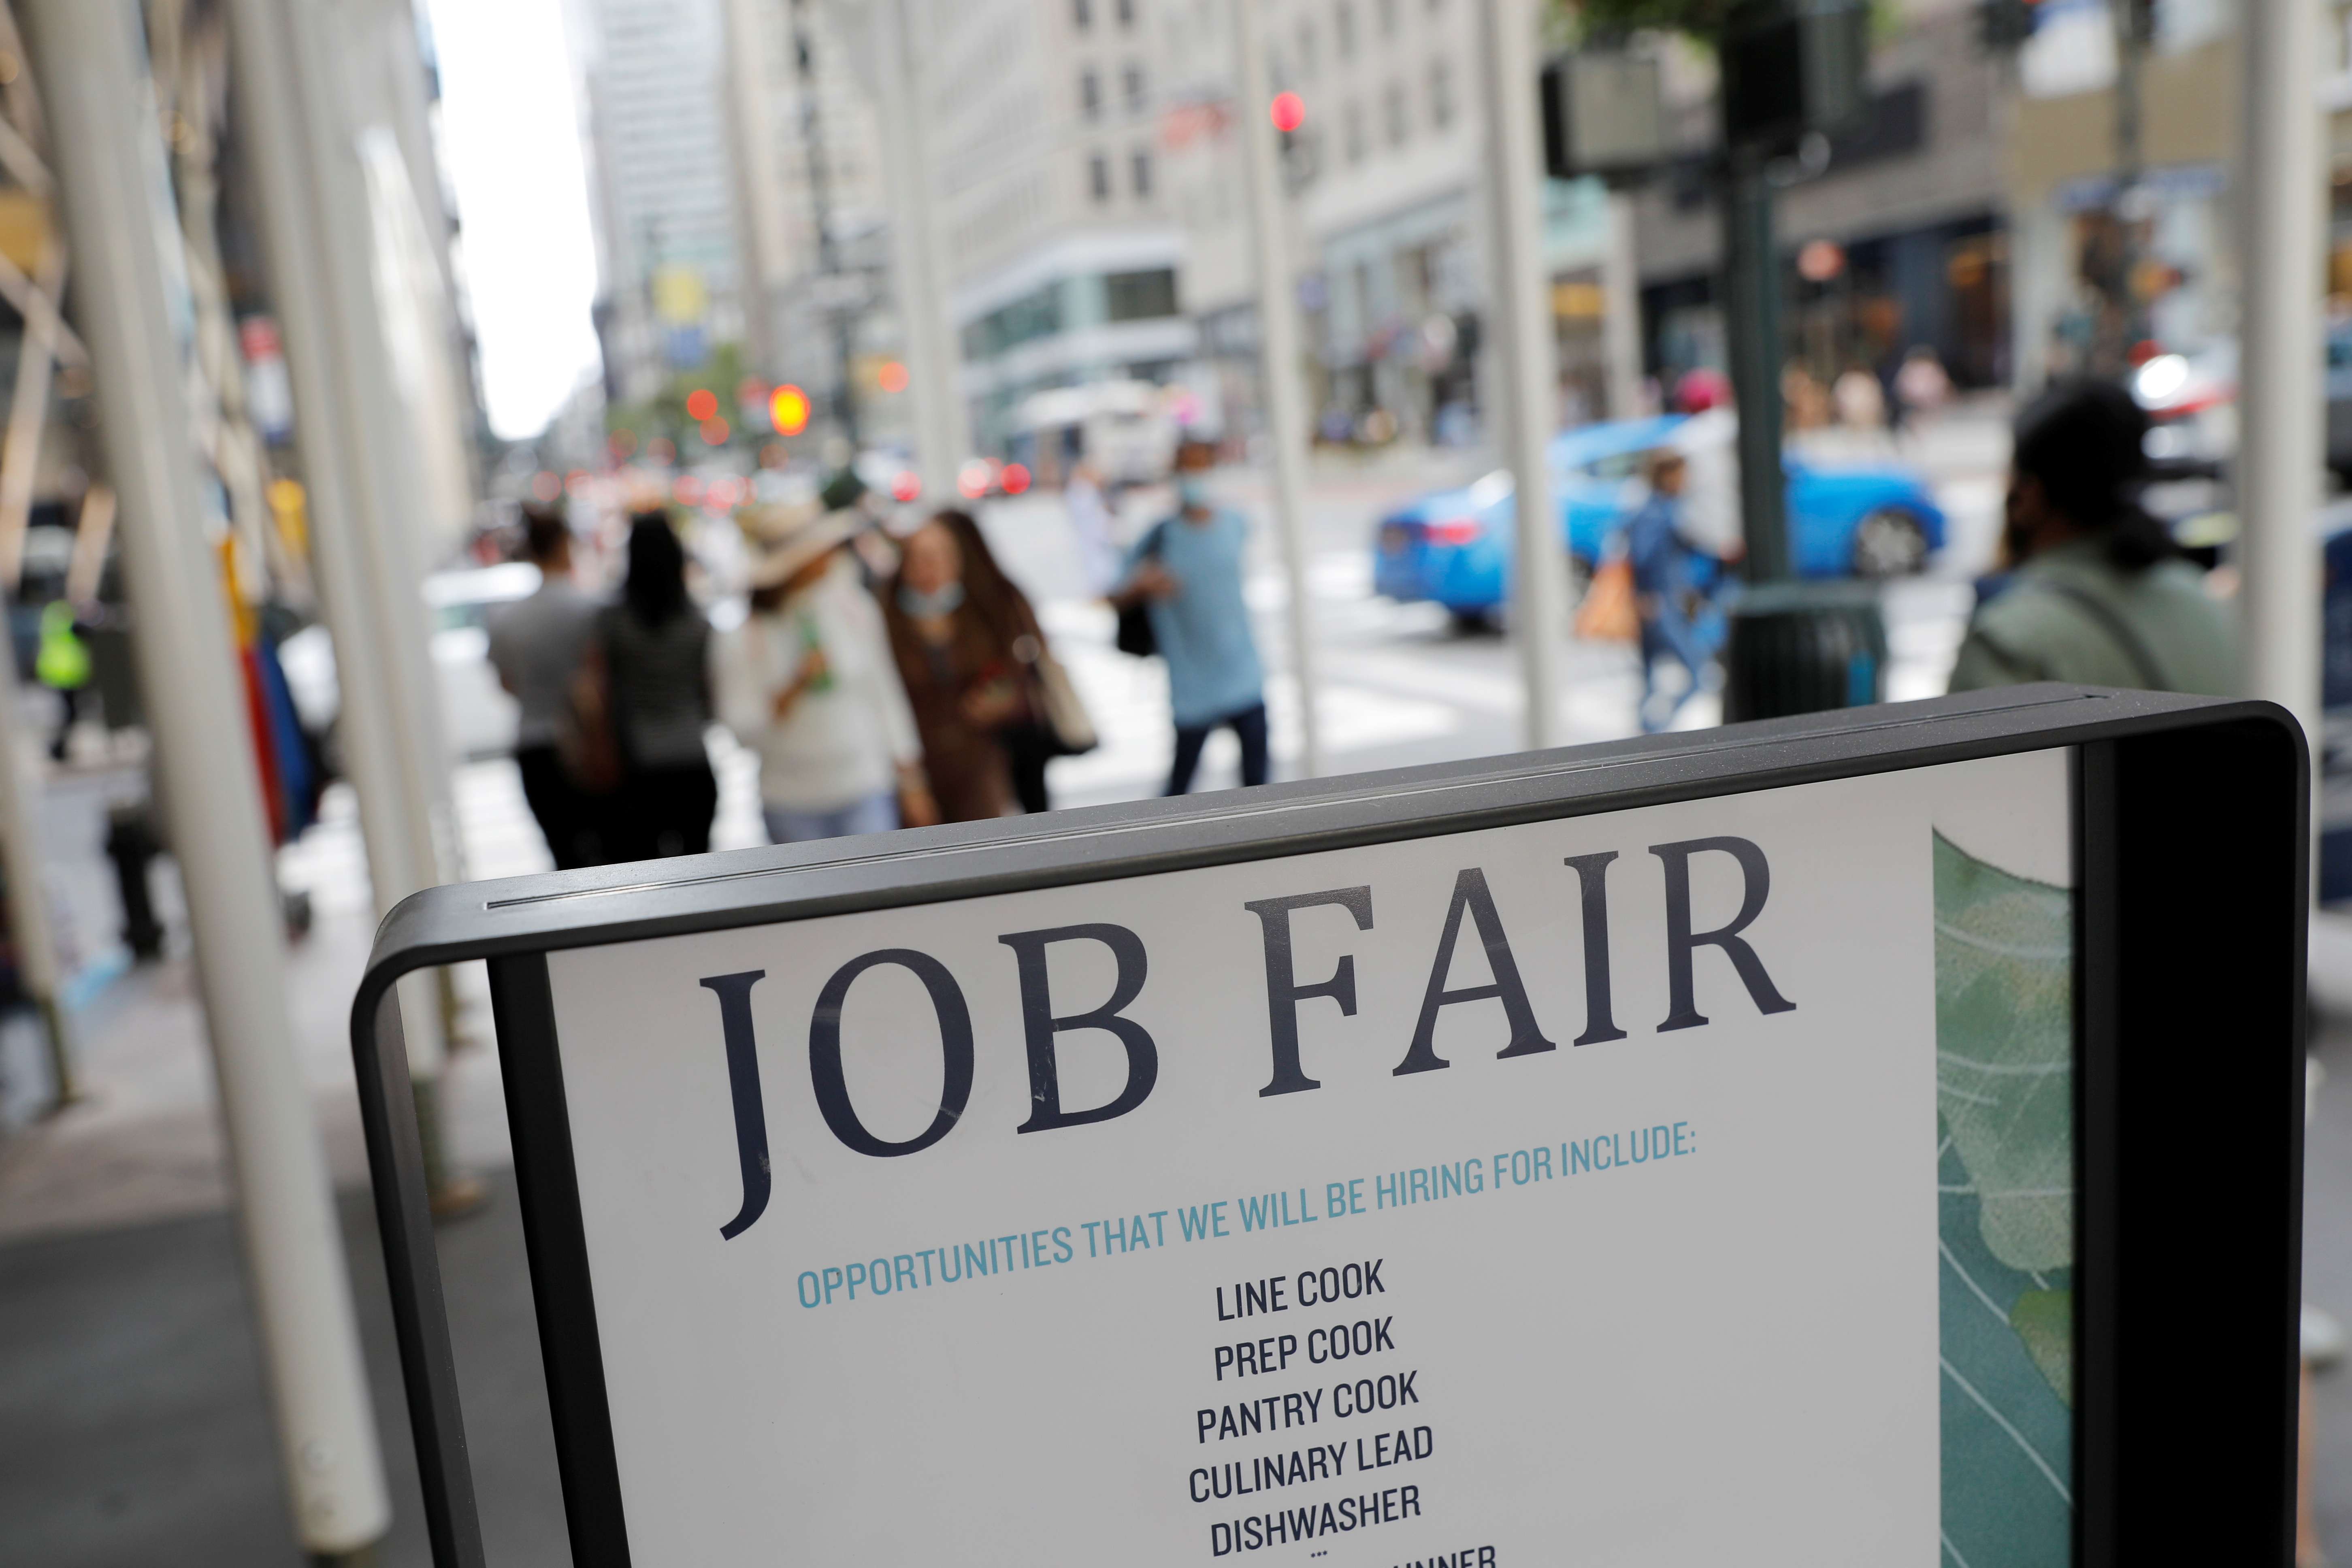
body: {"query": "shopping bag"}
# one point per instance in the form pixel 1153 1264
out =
pixel 1607 613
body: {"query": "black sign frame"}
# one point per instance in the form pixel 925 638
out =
pixel 2192 842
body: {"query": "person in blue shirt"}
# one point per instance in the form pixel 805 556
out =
pixel 1188 571
pixel 1669 579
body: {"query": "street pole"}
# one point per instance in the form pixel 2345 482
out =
pixel 1752 297
pixel 1278 366
pixel 1621 305
pixel 110 157
pixel 2131 18
pixel 2277 470
pixel 828 249
pixel 1524 339
pixel 31 933
pixel 943 424
pixel 322 331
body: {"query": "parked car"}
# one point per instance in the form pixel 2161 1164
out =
pixel 1454 547
pixel 476 711
pixel 476 715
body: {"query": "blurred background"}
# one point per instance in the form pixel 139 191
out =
pixel 454 438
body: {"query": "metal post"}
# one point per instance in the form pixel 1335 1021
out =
pixel 110 157
pixel 1278 367
pixel 942 426
pixel 1751 300
pixel 1620 306
pixel 1524 338
pixel 30 930
pixel 369 726
pixel 2277 471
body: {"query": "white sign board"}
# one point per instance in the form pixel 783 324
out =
pixel 1567 1192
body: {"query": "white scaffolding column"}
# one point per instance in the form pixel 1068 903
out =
pixel 115 195
pixel 1528 356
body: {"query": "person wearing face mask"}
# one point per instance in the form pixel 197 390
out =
pixel 1187 571
pixel 967 645
pixel 2099 594
pixel 806 682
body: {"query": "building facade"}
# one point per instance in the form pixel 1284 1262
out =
pixel 662 187
pixel 1897 240
pixel 1061 251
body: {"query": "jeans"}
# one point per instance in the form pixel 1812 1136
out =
pixel 875 814
pixel 1248 726
pixel 567 817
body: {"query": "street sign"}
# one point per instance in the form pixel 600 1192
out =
pixel 1816 1140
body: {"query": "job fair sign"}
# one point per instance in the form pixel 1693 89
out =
pixel 1683 1185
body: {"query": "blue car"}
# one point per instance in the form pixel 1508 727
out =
pixel 1454 547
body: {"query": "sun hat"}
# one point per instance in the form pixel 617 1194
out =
pixel 786 536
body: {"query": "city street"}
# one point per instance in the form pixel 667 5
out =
pixel 118 1262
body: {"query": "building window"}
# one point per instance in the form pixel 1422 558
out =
pixel 1098 177
pixel 1394 113
pixel 1441 95
pixel 1306 51
pixel 1141 296
pixel 1082 14
pixel 1131 80
pixel 1089 94
pixel 1343 31
pixel 1353 120
pixel 1139 167
pixel 1126 11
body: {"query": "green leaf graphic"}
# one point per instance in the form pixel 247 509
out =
pixel 2004 1050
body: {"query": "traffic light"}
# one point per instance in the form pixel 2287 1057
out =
pixel 788 410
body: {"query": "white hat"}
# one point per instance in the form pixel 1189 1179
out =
pixel 786 536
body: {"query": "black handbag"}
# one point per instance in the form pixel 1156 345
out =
pixel 1135 634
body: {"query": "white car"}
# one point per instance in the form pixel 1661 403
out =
pixel 476 715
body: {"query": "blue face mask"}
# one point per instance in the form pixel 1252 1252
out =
pixel 931 605
pixel 1192 492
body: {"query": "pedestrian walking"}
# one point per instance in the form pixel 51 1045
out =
pixel 1671 575
pixel 2099 593
pixel 536 646
pixel 656 649
pixel 61 663
pixel 1091 524
pixel 1186 575
pixel 969 648
pixel 807 682
pixel 1922 386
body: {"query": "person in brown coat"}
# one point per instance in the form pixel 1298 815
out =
pixel 967 644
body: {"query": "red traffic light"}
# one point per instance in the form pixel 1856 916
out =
pixel 1289 112
pixel 891 377
pixel 701 404
pixel 1013 479
pixel 906 487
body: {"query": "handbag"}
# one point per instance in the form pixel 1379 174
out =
pixel 1607 613
pixel 1135 634
pixel 1066 721
pixel 587 743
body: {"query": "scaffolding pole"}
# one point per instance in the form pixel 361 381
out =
pixel 1528 358
pixel 111 174
pixel 2282 181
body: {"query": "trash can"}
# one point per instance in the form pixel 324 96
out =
pixel 1803 648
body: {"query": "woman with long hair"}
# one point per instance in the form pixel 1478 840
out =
pixel 655 647
pixel 968 646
